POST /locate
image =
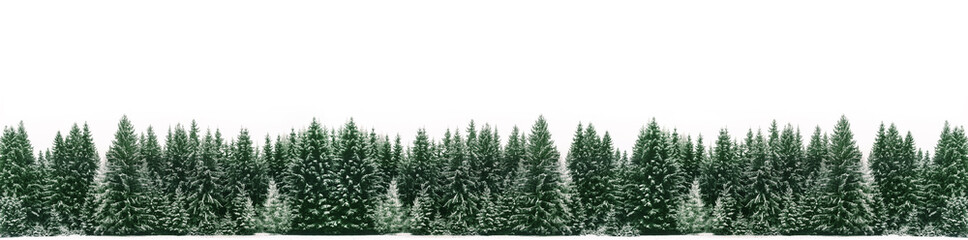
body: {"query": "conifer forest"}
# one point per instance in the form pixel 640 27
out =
pixel 475 180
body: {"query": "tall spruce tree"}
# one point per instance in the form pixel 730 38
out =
pixel 124 208
pixel 590 164
pixel 788 158
pixel 419 172
pixel 74 166
pixel 204 201
pixel 179 159
pixel 845 208
pixel 542 208
pixel 652 190
pixel 948 180
pixel 460 203
pixel 893 162
pixel 722 170
pixel 245 171
pixel 356 182
pixel 313 183
pixel 764 189
pixel 486 159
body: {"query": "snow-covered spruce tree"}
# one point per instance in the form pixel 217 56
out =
pixel 954 217
pixel 788 154
pixel 845 208
pixel 725 214
pixel 245 170
pixel 763 199
pixel 485 160
pixel 419 169
pixel 421 215
pixel 690 161
pixel 19 172
pixel 313 183
pixel 651 191
pixel 398 157
pixel 721 171
pixel 13 218
pixel 204 201
pixel 590 165
pixel 282 158
pixel 241 213
pixel 792 217
pixel 178 159
pixel 514 154
pixel 542 208
pixel 388 214
pixel 275 216
pixel 948 180
pixel 577 161
pixel 460 203
pixel 893 162
pixel 817 151
pixel 691 214
pixel 124 208
pixel 73 167
pixel 374 151
pixel 356 176
pixel 387 165
pixel 490 217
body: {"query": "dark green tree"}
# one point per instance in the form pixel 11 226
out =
pixel 542 208
pixel 124 206
pixel 204 199
pixel 357 182
pixel 845 208
pixel 245 171
pixel 763 199
pixel 893 162
pixel 651 192
pixel 460 202
pixel 313 182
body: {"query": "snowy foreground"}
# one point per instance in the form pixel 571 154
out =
pixel 408 237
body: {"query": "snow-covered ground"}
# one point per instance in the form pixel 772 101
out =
pixel 408 237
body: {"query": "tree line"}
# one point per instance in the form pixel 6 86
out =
pixel 346 180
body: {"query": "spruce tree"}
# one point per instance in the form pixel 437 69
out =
pixel 789 157
pixel 722 170
pixel 124 208
pixel 590 164
pixel 845 207
pixel 893 162
pixel 245 171
pixel 763 200
pixel 179 154
pixel 276 214
pixel 356 182
pixel 203 199
pixel 514 154
pixel 691 214
pixel 650 193
pixel 388 214
pixel 948 180
pixel 420 220
pixel 542 208
pixel 459 201
pixel 313 182
pixel 418 172
pixel 486 158
pixel 816 152
pixel 73 162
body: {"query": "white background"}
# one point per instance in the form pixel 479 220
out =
pixel 397 66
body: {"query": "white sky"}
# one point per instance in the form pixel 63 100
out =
pixel 400 65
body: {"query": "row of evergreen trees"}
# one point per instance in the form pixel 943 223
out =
pixel 346 180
